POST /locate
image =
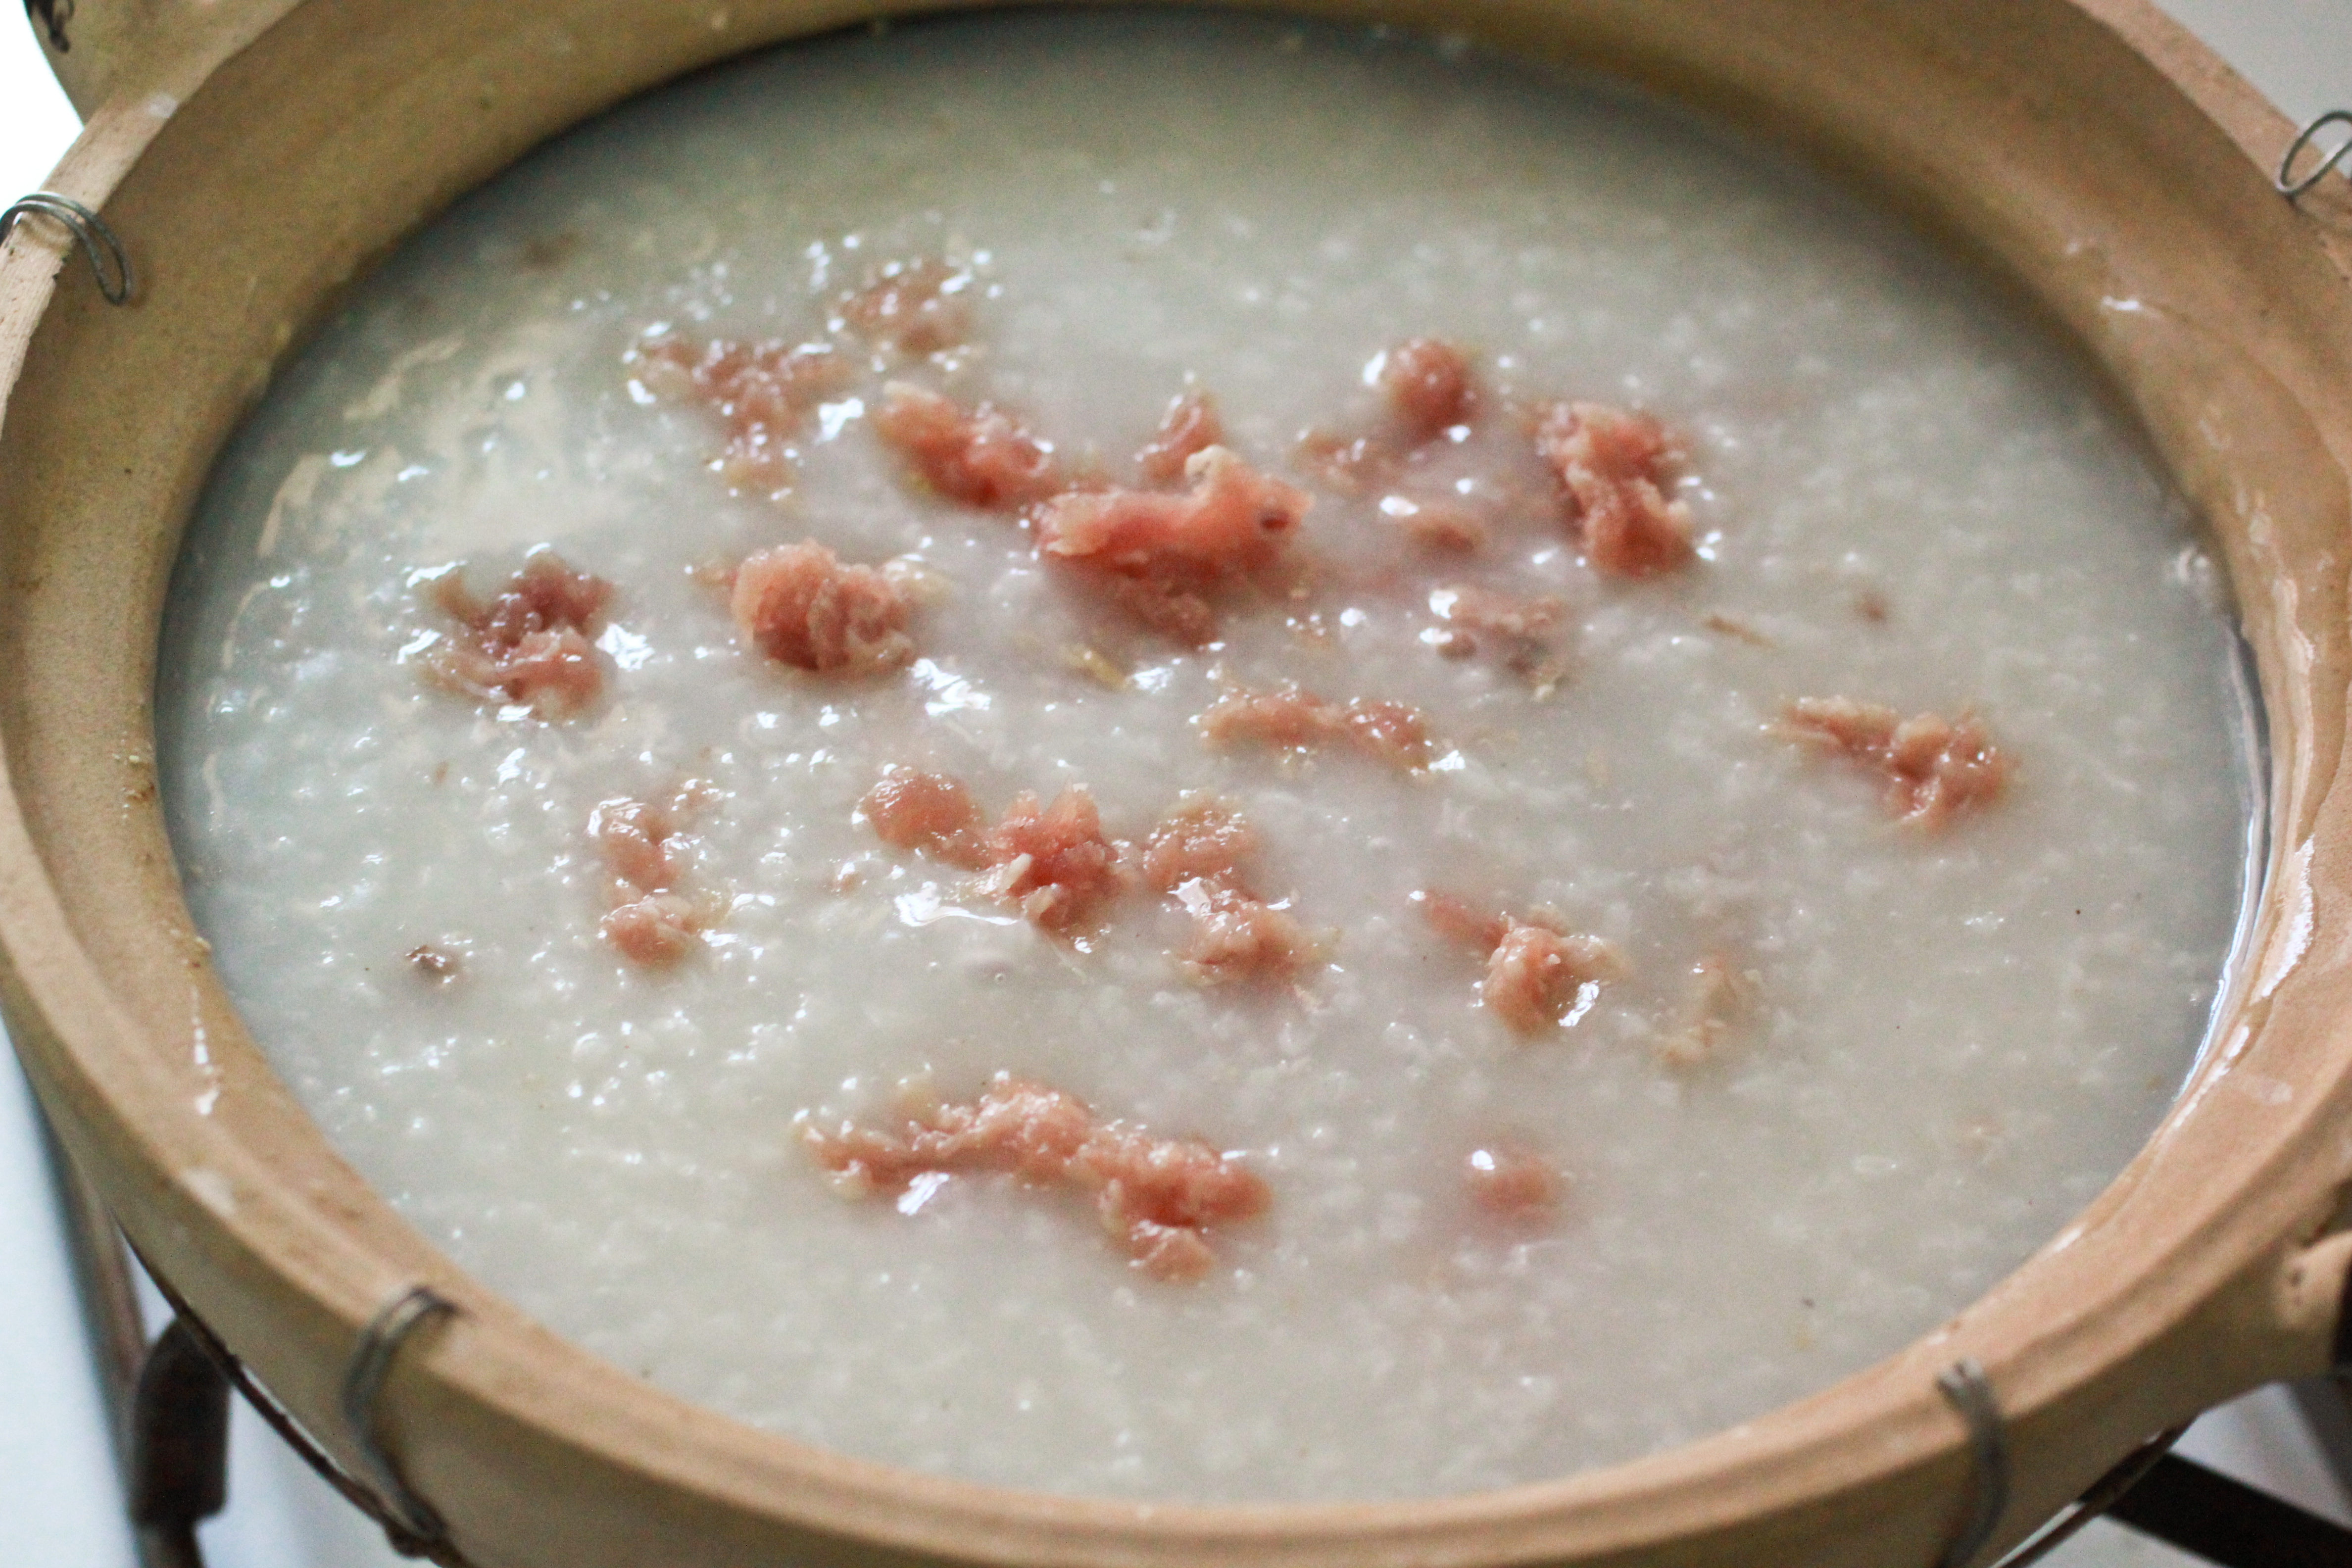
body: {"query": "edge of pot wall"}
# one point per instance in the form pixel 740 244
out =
pixel 114 48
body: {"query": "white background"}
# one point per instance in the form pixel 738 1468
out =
pixel 59 1497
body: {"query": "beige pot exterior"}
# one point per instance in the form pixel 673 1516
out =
pixel 257 155
pixel 123 51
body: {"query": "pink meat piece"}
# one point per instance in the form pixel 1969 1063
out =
pixel 1511 1184
pixel 980 457
pixel 1161 557
pixel 650 922
pixel 1053 862
pixel 1195 855
pixel 1024 1128
pixel 1237 936
pixel 1155 1197
pixel 799 605
pixel 1534 973
pixel 762 392
pixel 914 307
pixel 1232 521
pixel 1428 390
pixel 634 836
pixel 929 812
pixel 1204 839
pixel 656 930
pixel 1190 426
pixel 1614 468
pixel 1292 718
pixel 529 642
pixel 1427 383
pixel 1934 769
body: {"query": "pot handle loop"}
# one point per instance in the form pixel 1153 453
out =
pixel 1969 1391
pixel 2292 185
pixel 372 1361
pixel 108 261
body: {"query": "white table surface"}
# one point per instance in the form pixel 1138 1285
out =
pixel 59 1503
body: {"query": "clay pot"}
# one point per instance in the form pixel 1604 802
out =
pixel 256 154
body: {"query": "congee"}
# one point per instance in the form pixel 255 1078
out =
pixel 1187 757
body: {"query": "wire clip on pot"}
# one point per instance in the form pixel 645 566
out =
pixel 108 261
pixel 2290 186
pixel 1967 1390
pixel 363 1382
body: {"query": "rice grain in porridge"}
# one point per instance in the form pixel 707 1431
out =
pixel 1614 1063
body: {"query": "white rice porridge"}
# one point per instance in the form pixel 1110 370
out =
pixel 1900 491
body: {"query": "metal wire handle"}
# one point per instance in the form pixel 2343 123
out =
pixel 2285 181
pixel 371 1364
pixel 1967 1390
pixel 108 261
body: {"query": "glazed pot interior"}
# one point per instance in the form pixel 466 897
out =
pixel 2047 140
